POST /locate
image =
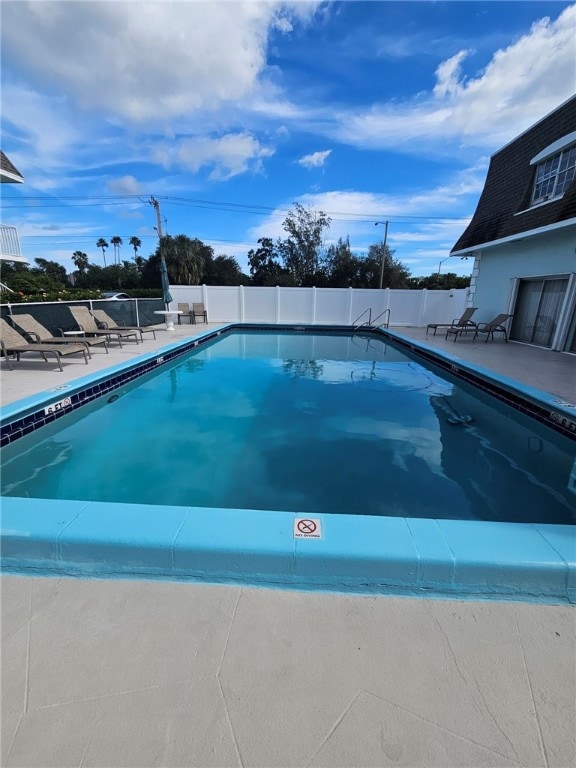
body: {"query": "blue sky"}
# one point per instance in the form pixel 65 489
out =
pixel 230 112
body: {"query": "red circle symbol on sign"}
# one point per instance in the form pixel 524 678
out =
pixel 306 526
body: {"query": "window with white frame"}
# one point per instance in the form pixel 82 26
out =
pixel 554 174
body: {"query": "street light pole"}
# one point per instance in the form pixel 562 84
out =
pixel 383 249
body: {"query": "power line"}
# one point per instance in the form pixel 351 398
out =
pixel 85 238
pixel 88 201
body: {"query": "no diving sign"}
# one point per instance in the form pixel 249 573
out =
pixel 307 528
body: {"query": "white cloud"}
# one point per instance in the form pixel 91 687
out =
pixel 448 75
pixel 126 185
pixel 315 159
pixel 228 155
pixel 438 230
pixel 522 83
pixel 185 67
pixel 34 224
pixel 146 60
pixel 237 250
pixel 47 134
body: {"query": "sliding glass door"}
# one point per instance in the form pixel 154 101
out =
pixel 570 345
pixel 537 310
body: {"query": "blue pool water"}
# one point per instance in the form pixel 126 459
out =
pixel 309 423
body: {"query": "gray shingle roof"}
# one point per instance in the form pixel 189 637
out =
pixel 7 166
pixel 509 184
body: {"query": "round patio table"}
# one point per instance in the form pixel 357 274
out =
pixel 169 315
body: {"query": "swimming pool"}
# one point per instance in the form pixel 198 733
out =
pixel 309 423
pixel 389 458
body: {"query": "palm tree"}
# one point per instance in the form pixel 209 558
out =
pixel 102 244
pixel 135 242
pixel 117 243
pixel 80 260
pixel 185 259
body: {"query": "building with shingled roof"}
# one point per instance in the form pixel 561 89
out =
pixel 9 241
pixel 8 171
pixel 523 234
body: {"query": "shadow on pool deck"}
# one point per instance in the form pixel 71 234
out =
pixel 142 673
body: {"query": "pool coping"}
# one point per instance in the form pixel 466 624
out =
pixel 366 554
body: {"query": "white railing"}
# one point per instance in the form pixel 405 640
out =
pixel 10 244
pixel 322 306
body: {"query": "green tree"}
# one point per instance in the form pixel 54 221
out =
pixel 369 272
pixel 128 274
pixel 21 278
pixel 101 243
pixel 117 243
pixel 94 277
pixel 265 264
pixel 80 260
pixel 108 278
pixel 185 257
pixel 301 251
pixel 54 271
pixel 224 270
pixel 136 243
pixel 394 273
pixel 343 268
pixel 443 282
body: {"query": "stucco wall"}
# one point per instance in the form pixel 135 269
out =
pixel 553 253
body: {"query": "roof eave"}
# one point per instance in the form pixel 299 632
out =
pixel 511 238
pixel 6 177
pixel 19 259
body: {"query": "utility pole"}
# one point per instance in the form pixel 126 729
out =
pixel 383 250
pixel 163 270
pixel 156 205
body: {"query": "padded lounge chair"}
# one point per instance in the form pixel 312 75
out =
pixel 461 322
pixel 198 311
pixel 85 322
pixel 109 325
pixel 185 309
pixel 42 335
pixel 494 326
pixel 13 343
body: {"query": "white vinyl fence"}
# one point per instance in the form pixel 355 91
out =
pixel 322 305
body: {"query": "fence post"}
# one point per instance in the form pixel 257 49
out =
pixel 241 302
pixel 422 307
pixel 277 304
pixel 351 295
pixel 205 300
pixel 137 312
pixel 313 304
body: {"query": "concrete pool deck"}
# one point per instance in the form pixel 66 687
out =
pixel 118 673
